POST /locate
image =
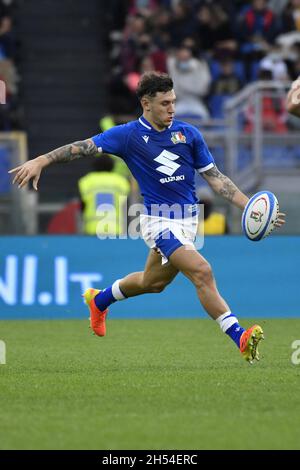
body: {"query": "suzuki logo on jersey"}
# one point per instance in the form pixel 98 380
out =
pixel 167 160
pixel 178 138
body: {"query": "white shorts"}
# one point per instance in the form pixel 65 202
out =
pixel 166 235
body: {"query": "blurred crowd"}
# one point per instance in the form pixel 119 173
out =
pixel 9 111
pixel 211 49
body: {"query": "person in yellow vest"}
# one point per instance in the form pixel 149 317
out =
pixel 214 221
pixel 103 195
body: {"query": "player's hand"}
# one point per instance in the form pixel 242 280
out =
pixel 280 219
pixel 29 170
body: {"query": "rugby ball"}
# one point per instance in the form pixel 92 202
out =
pixel 260 215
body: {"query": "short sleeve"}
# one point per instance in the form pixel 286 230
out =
pixel 203 158
pixel 112 141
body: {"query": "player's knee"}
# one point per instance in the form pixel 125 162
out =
pixel 202 275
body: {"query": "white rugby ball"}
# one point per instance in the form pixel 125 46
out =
pixel 260 215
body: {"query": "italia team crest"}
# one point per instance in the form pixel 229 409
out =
pixel 178 138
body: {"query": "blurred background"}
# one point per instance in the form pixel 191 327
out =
pixel 71 69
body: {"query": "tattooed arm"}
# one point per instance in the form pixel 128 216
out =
pixel 68 153
pixel 33 168
pixel 222 185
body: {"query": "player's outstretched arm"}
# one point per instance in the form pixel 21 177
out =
pixel 33 168
pixel 223 185
pixel 293 99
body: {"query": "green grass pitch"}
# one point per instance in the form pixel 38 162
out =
pixel 149 384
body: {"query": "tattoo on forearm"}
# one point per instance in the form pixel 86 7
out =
pixel 229 189
pixel 68 153
pixel 215 173
pixel 226 187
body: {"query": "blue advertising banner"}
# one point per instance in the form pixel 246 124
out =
pixel 44 277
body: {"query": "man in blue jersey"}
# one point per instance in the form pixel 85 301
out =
pixel 162 154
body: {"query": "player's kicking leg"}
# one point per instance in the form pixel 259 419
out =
pixel 195 267
pixel 153 279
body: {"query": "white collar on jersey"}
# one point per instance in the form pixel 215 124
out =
pixel 147 124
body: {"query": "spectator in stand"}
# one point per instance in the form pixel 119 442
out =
pixel 225 85
pixel 160 29
pixel 138 43
pixel 289 40
pixel 294 62
pixel 278 5
pixel 157 40
pixel 135 42
pixel 212 28
pixel 228 82
pixel 257 27
pixel 143 7
pixel 181 23
pixel 289 46
pixel 150 50
pixel 135 45
pixel 9 112
pixel 275 63
pixel 192 80
pixel 258 24
pixel 291 17
pixel 7 43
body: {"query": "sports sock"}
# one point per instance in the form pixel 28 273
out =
pixel 109 296
pixel 229 324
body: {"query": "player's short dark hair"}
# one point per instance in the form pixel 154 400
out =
pixel 152 83
pixel 103 163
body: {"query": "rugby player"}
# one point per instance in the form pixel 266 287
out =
pixel 162 154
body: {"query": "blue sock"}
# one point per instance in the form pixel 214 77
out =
pixel 110 295
pixel 235 332
pixel 104 299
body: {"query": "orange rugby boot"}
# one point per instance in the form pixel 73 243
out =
pixel 249 342
pixel 97 318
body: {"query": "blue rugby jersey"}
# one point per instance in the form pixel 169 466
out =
pixel 163 163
